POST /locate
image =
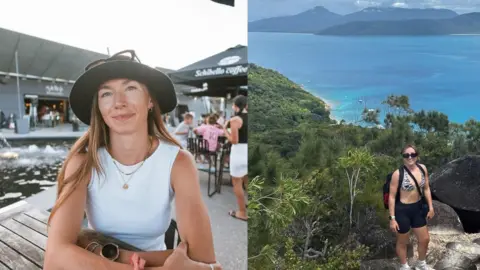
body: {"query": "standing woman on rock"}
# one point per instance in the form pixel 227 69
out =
pixel 410 205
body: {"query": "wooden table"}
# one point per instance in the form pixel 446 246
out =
pixel 23 237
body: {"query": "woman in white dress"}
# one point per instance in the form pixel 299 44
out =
pixel 238 136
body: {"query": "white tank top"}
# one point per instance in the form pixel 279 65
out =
pixel 141 214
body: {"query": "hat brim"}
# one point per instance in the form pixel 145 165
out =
pixel 86 86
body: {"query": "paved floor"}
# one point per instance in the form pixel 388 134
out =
pixel 230 235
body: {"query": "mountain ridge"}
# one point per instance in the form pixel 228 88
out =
pixel 319 18
pixel 462 24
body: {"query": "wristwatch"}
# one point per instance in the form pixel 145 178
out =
pixel 391 217
pixel 110 251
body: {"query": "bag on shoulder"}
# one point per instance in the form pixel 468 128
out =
pixel 386 186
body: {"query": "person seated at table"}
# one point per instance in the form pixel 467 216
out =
pixel 210 133
pixel 125 172
pixel 184 129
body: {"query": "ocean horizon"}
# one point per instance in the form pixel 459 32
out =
pixel 349 73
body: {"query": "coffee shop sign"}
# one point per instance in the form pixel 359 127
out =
pixel 54 90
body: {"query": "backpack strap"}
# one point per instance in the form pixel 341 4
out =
pixel 415 180
pixel 400 180
pixel 421 169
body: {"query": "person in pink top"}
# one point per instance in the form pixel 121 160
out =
pixel 210 133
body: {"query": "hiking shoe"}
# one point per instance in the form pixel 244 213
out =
pixel 422 266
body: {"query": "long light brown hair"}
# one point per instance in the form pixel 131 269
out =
pixel 95 137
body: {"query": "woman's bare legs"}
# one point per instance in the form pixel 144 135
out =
pixel 423 238
pixel 240 195
pixel 401 247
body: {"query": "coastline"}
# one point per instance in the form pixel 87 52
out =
pixel 331 105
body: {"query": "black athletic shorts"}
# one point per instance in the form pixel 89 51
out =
pixel 410 216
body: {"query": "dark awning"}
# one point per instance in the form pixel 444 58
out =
pixel 42 59
pixel 226 69
pixel 217 92
pixel 225 2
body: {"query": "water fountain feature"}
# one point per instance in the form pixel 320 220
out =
pixel 33 170
pixel 4 142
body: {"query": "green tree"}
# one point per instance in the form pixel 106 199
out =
pixel 356 164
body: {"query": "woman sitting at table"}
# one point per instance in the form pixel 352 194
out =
pixel 125 172
pixel 210 133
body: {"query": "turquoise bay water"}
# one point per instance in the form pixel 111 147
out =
pixel 437 73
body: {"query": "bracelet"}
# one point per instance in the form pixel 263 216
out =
pixel 87 248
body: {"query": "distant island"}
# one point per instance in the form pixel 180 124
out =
pixel 372 21
pixel 462 24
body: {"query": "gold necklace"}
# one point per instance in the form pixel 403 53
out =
pixel 130 175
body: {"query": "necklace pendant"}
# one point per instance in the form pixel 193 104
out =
pixel 125 186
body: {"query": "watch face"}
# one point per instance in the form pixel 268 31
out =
pixel 110 251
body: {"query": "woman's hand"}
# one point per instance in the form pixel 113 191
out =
pixel 431 213
pixel 394 226
pixel 179 260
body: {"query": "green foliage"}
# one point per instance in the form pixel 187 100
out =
pixel 314 179
pixel 271 210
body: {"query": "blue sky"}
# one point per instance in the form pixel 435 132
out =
pixel 165 33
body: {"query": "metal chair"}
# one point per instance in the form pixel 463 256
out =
pixel 225 152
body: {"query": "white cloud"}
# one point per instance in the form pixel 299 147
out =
pixel 165 33
pixel 367 3
pixel 400 5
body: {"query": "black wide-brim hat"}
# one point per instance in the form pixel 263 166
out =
pixel 159 85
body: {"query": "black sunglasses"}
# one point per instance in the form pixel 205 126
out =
pixel 128 55
pixel 407 155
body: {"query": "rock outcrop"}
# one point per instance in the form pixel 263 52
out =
pixel 443 254
pixel 445 221
pixel 458 183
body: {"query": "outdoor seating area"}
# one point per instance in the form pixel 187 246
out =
pixel 215 164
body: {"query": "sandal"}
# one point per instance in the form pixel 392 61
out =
pixel 233 214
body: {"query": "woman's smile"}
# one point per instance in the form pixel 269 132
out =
pixel 123 117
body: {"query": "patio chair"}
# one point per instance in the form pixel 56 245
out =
pixel 191 146
pixel 225 153
pixel 202 148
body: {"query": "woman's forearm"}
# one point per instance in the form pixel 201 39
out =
pixel 428 195
pixel 73 257
pixel 227 135
pixel 391 205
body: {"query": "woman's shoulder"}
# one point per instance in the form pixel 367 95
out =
pixel 76 160
pixel 423 166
